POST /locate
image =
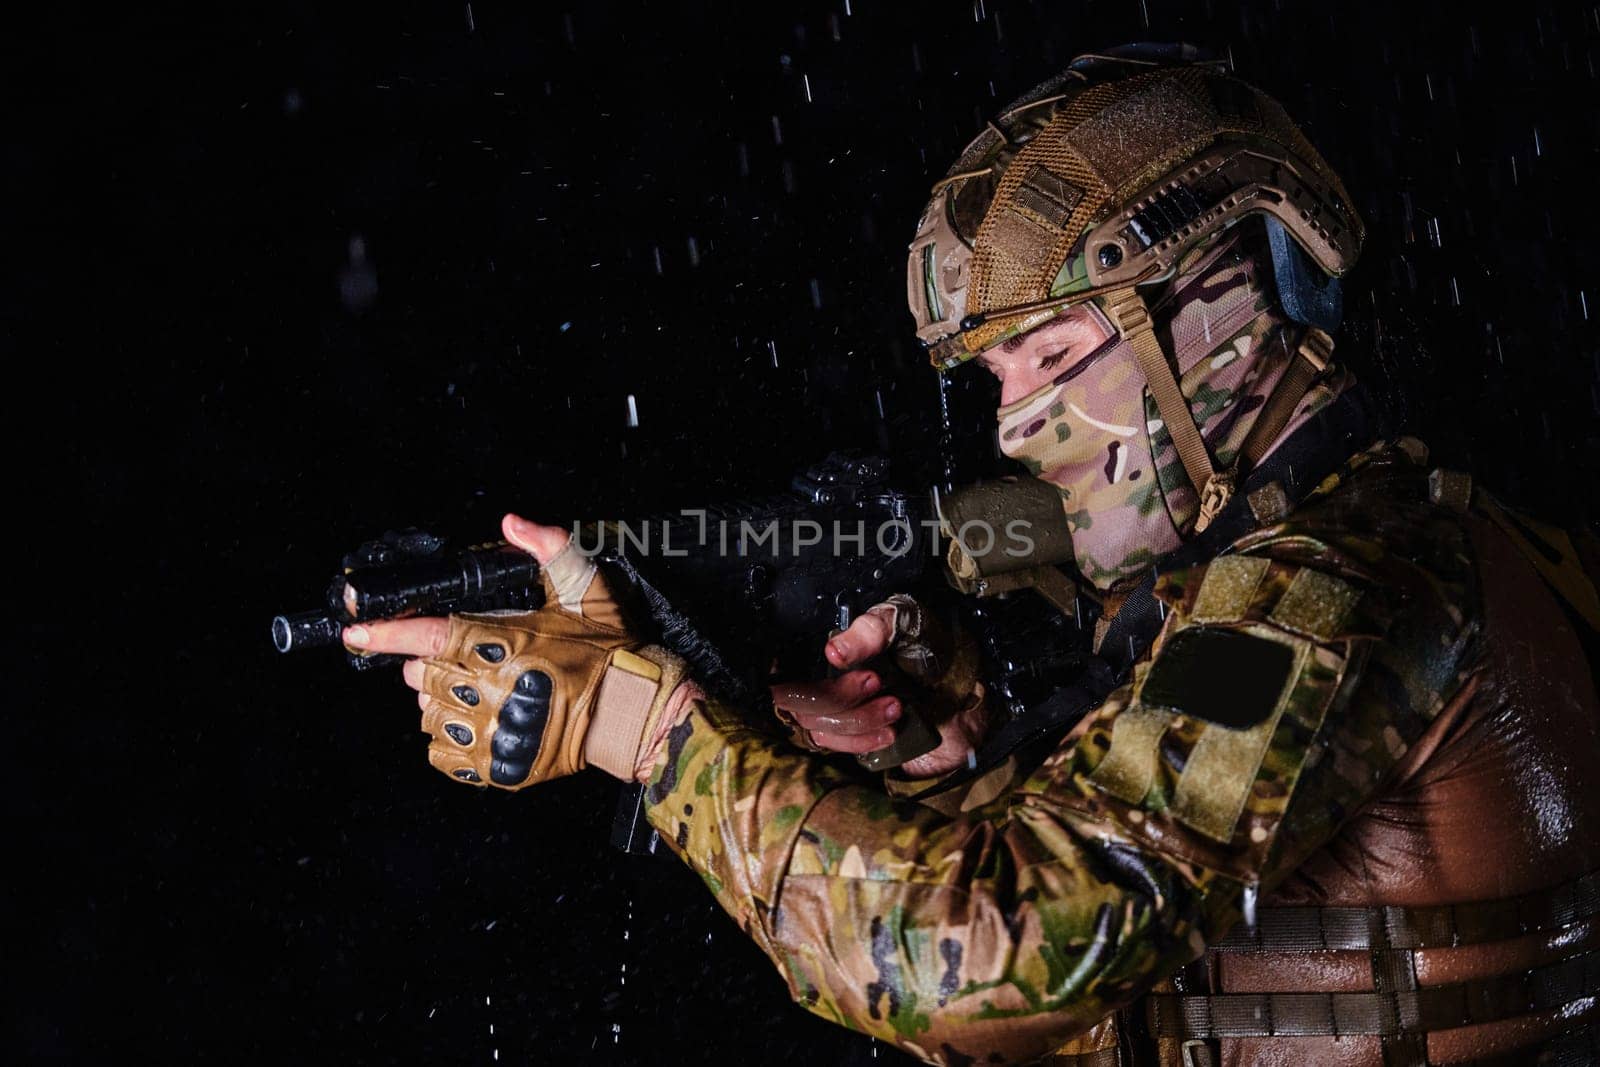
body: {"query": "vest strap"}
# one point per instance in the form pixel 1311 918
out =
pixel 1105 1057
pixel 1233 1015
pixel 1311 929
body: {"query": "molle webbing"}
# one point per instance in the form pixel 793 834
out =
pixel 1411 1011
pixel 1398 1010
pixel 1443 926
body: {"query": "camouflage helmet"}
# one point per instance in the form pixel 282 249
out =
pixel 1100 180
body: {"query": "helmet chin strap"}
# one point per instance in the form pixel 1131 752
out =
pixel 1131 316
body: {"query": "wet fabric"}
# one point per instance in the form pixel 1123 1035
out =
pixel 1094 432
pixel 1013 927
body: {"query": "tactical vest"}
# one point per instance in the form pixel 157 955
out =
pixel 1454 919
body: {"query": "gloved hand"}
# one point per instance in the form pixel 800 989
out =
pixel 513 699
pixel 892 654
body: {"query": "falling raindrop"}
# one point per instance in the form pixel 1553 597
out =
pixel 358 279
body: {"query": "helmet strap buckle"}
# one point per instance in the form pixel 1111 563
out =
pixel 1214 497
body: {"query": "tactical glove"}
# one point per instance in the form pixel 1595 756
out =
pixel 516 698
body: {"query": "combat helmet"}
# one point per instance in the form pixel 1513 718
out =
pixel 1095 185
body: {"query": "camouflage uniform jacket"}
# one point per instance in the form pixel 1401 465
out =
pixel 1292 676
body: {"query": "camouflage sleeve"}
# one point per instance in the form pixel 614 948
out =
pixel 987 787
pixel 1004 930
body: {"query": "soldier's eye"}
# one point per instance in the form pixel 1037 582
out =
pixel 1053 359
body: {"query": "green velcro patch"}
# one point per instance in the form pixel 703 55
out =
pixel 1222 676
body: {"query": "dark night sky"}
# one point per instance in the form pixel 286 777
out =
pixel 281 279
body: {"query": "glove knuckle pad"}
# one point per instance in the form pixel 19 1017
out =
pixel 519 729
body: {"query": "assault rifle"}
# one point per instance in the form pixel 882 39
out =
pixel 749 592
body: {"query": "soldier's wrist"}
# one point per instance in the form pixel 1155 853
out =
pixel 674 710
pixel 634 693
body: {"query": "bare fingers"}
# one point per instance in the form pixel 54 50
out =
pixel 401 637
pixel 869 718
pixel 853 744
pixel 868 636
pixel 828 695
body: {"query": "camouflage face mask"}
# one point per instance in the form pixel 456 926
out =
pixel 1085 434
pixel 1095 434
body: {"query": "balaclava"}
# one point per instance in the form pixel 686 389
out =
pixel 1095 433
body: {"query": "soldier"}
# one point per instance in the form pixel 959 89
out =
pixel 1327 804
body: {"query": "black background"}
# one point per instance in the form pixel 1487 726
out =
pixel 280 279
